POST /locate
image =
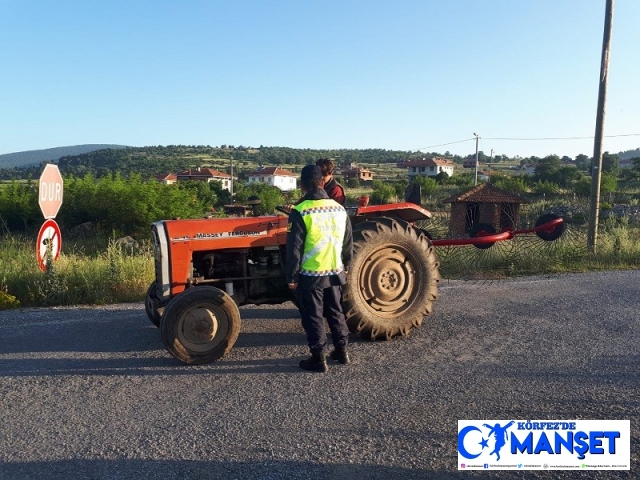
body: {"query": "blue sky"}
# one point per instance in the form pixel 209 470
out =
pixel 398 75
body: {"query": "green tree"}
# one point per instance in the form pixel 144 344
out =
pixel 127 206
pixel 611 164
pixel 547 168
pixel 442 178
pixel 352 183
pixel 269 196
pixel 428 185
pixel 608 184
pixel 583 162
pixel 19 208
pixel 567 175
pixel 583 187
pixel 382 193
pixel 546 187
pixel 400 188
pixel 517 184
pixel 463 180
pixel 633 173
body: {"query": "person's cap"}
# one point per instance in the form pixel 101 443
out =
pixel 310 174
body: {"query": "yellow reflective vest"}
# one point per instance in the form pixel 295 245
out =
pixel 325 221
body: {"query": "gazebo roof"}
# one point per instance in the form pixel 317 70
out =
pixel 485 193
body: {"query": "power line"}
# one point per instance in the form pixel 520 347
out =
pixel 530 139
pixel 450 143
pixel 560 138
pixel 538 138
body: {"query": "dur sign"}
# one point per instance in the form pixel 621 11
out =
pixel 50 191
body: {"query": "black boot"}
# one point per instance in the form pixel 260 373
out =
pixel 341 355
pixel 315 363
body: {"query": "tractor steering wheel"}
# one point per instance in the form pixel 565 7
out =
pixel 282 209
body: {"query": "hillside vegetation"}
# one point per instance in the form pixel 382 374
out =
pixel 153 160
pixel 101 160
pixel 36 157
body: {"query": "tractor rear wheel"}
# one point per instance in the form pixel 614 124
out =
pixel 392 281
pixel 152 305
pixel 200 325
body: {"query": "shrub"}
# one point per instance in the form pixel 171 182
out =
pixel 8 301
pixel 382 193
pixel 511 184
pixel 546 187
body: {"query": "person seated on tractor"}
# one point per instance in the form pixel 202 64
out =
pixel 331 186
pixel 329 183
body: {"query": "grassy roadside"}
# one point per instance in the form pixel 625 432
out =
pixel 99 272
pixel 95 272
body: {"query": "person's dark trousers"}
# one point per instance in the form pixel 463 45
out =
pixel 314 305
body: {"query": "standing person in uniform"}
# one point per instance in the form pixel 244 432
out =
pixel 331 186
pixel 319 250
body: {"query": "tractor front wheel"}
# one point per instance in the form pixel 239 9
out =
pixel 392 281
pixel 200 325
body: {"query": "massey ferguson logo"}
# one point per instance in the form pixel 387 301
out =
pixel 239 233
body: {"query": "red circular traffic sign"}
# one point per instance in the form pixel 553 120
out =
pixel 50 191
pixel 48 237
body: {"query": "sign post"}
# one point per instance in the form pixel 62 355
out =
pixel 49 242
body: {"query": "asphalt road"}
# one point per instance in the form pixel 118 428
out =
pixel 90 392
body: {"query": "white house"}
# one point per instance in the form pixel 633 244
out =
pixel 429 167
pixel 275 176
pixel 206 175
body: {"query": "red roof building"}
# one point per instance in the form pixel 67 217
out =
pixel 358 173
pixel 275 176
pixel 204 174
pixel 167 178
pixel 429 167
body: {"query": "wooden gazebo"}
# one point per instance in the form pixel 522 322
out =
pixel 484 204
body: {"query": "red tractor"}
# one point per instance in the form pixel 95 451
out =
pixel 206 268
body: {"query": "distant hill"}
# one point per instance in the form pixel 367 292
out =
pixel 35 157
pixel 629 154
pixel 100 160
pixel 152 160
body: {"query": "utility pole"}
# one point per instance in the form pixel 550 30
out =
pixel 596 166
pixel 475 182
pixel 231 184
pixel 490 160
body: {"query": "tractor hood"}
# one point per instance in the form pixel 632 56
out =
pixel 237 232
